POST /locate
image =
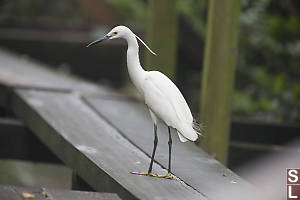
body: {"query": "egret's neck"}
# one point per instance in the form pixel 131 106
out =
pixel 135 70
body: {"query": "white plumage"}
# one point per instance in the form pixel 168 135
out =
pixel 161 95
pixel 166 101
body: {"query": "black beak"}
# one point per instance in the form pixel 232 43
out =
pixel 98 41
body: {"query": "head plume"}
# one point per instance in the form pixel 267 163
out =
pixel 144 44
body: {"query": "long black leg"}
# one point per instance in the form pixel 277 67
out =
pixel 154 148
pixel 170 148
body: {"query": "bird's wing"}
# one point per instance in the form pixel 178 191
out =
pixel 166 90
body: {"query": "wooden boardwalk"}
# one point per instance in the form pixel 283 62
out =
pixel 103 135
pixel 8 192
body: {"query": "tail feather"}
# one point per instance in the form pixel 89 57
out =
pixel 187 131
pixel 197 127
pixel 181 137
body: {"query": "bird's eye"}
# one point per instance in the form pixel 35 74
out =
pixel 115 33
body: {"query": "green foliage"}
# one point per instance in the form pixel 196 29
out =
pixel 269 97
pixel 194 12
pixel 133 11
pixel 268 79
pixel 283 29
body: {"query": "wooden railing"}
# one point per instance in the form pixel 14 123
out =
pixel 104 135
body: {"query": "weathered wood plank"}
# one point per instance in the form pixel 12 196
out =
pixel 8 192
pixel 79 195
pixel 18 71
pixel 190 163
pixel 92 147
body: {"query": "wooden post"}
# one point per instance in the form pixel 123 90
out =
pixel 218 75
pixel 162 37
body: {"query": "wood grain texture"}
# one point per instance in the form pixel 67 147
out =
pixel 219 74
pixel 191 164
pixel 18 71
pixel 92 147
pixel 8 192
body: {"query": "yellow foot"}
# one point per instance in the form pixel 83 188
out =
pixel 144 174
pixel 167 176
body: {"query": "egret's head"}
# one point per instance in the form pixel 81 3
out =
pixel 120 32
pixel 117 32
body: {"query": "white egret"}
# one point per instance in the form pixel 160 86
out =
pixel 162 97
